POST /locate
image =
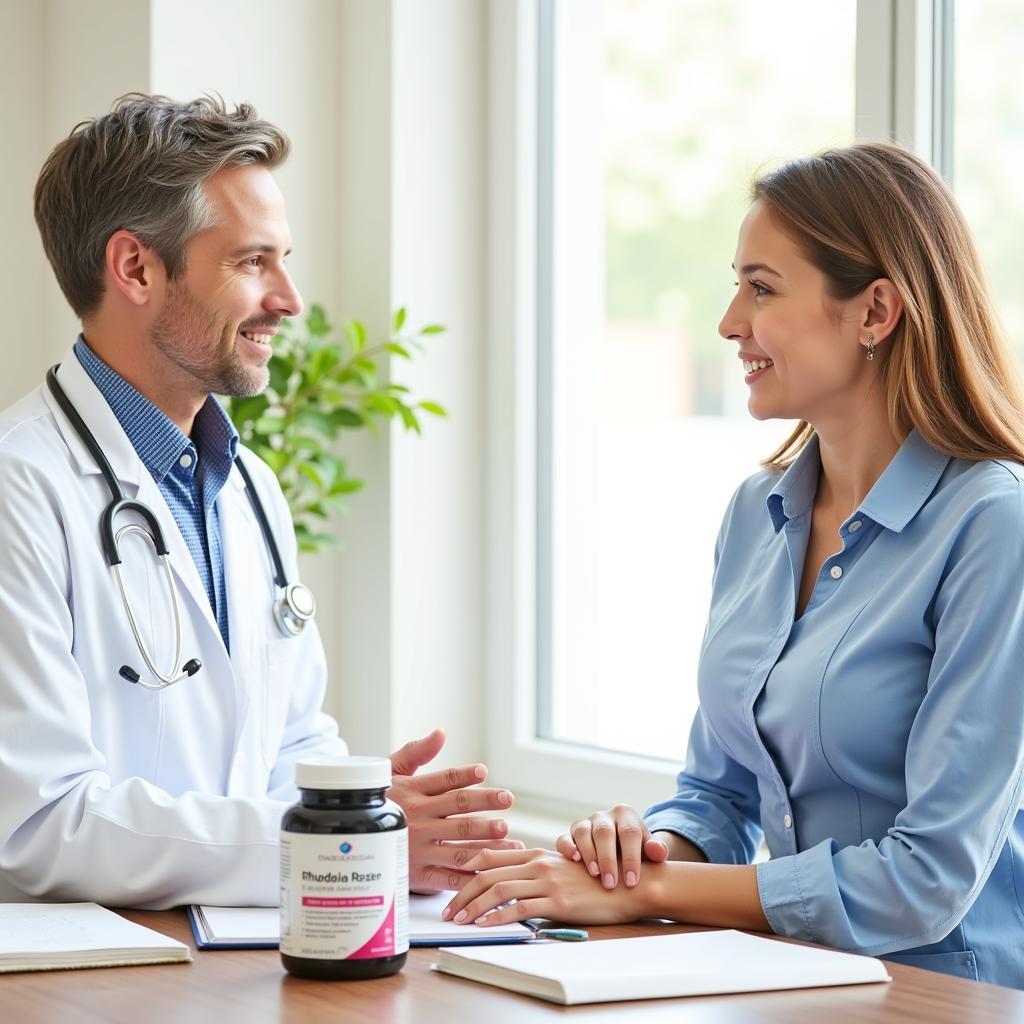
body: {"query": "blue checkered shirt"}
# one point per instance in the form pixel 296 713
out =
pixel 189 473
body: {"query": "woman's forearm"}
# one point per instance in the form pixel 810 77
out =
pixel 721 895
pixel 680 848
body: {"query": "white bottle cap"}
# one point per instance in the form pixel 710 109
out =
pixel 344 773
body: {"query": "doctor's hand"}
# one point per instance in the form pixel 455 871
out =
pixel 446 829
pixel 597 842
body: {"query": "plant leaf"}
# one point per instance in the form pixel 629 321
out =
pixel 316 321
pixel 271 425
pixel 275 459
pixel 321 362
pixel 281 369
pixel 347 486
pixel 344 417
pixel 409 418
pixel 399 319
pixel 383 404
pixel 356 335
pixel 247 410
pixel 310 416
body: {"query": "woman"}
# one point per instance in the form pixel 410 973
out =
pixel 862 675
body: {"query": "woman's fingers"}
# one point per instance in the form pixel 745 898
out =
pixel 606 848
pixel 632 833
pixel 499 893
pixel 515 885
pixel 610 838
pixel 493 869
pixel 582 835
pixel 655 850
pixel 567 847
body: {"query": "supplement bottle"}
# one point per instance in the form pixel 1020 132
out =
pixel 344 872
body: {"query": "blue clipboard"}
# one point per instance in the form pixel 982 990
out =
pixel 202 942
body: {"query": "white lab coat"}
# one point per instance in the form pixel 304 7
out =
pixel 110 792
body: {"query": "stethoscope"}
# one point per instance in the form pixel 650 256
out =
pixel 294 608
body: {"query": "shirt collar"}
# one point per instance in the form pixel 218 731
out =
pixel 157 440
pixel 793 495
pixel 897 496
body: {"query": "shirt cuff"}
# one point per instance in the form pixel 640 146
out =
pixel 784 885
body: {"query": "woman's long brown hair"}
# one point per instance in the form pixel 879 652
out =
pixel 874 210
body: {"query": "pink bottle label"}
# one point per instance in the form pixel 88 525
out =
pixel 344 897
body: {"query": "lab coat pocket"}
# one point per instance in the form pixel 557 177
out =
pixel 275 696
pixel 962 964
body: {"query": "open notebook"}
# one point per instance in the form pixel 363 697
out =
pixel 693 964
pixel 258 927
pixel 53 936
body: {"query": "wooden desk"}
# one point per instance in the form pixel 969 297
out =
pixel 251 986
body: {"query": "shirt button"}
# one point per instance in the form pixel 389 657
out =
pixel 185 461
pixel 836 571
pixel 787 821
pixel 855 526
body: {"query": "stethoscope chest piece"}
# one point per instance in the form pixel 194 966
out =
pixel 294 609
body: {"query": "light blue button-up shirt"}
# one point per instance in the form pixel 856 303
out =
pixel 877 742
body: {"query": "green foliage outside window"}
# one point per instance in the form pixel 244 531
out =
pixel 324 381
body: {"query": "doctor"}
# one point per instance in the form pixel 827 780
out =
pixel 151 726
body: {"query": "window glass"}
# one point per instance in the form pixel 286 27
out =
pixel 660 113
pixel 988 144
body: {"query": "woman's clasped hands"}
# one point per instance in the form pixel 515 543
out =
pixel 579 883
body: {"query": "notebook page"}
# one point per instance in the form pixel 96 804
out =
pixel 39 929
pixel 242 923
pixel 698 963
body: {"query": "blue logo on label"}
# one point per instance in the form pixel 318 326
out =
pixel 345 847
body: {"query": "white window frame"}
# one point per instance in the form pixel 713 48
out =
pixel 902 71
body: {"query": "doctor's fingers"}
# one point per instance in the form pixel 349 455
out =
pixel 430 830
pixel 459 854
pixel 436 783
pixel 437 866
pixel 467 801
pixel 434 878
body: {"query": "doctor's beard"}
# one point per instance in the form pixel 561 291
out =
pixel 191 338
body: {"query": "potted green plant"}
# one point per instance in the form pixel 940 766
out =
pixel 324 381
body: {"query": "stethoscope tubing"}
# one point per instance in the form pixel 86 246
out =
pixel 292 611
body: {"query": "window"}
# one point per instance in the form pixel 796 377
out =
pixel 658 114
pixel 988 143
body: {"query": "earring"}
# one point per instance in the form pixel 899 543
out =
pixel 871 347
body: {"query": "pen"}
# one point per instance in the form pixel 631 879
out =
pixel 562 934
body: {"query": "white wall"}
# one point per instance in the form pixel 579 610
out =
pixel 437 267
pixel 60 61
pixel 382 100
pixel 21 269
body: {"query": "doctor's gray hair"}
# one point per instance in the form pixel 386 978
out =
pixel 141 169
